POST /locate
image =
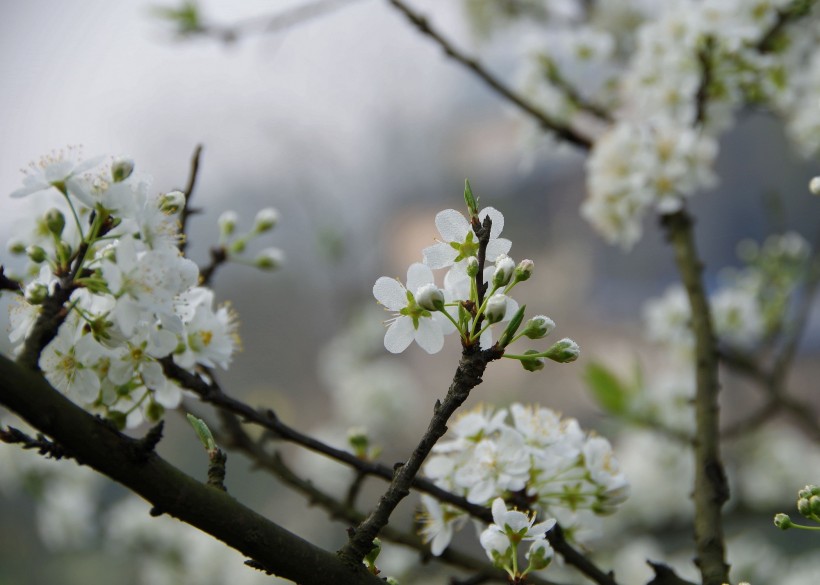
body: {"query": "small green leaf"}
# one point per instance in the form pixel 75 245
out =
pixel 203 432
pixel 609 392
pixel 513 326
pixel 470 200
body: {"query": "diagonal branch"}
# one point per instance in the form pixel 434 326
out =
pixel 97 444
pixel 546 121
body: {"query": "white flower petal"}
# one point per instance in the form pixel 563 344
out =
pixel 399 335
pixel 429 336
pixel 417 275
pixel 497 247
pixel 452 225
pixel 390 293
pixel 496 218
pixel 439 255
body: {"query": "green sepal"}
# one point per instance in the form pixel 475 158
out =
pixel 512 327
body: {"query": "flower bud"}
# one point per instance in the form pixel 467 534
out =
pixel 814 186
pixel 121 168
pixel 172 202
pixel 16 247
pixel 814 505
pixel 782 521
pixel 154 411
pixel 563 351
pixel 55 221
pixel 803 507
pixel 266 219
pixel 36 253
pixel 540 555
pixel 538 327
pixel 496 308
pixel 533 364
pixel 36 293
pixel 524 270
pixel 430 297
pixel 472 266
pixel 269 259
pixel 227 223
pixel 504 267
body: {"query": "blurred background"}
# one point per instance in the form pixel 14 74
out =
pixel 358 130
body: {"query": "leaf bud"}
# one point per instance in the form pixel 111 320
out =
pixel 538 327
pixel 504 268
pixel 266 219
pixel 55 221
pixel 172 202
pixel 496 308
pixel 563 351
pixel 269 259
pixel 430 297
pixel 121 168
pixel 470 200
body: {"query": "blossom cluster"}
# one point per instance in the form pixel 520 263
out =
pixel 133 298
pixel 538 458
pixel 469 302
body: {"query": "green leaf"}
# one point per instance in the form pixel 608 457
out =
pixel 203 432
pixel 470 200
pixel 609 391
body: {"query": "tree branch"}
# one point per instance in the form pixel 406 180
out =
pixel 559 127
pixel 711 490
pixel 187 210
pixel 97 444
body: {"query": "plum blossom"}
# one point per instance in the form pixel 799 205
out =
pixel 411 322
pixel 459 242
pixel 60 169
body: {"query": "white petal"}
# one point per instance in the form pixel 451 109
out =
pixel 495 217
pixel 23 191
pixel 417 275
pixel 85 386
pixel 399 335
pixel 452 225
pixel 497 247
pixel 441 540
pixel 390 293
pixel 429 336
pixel 439 255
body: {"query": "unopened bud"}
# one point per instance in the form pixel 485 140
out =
pixel 357 438
pixel 804 507
pixel 533 364
pixel 814 505
pixel 564 351
pixel 269 259
pixel 430 297
pixel 266 219
pixel 36 293
pixel 782 521
pixel 524 270
pixel 36 253
pixel 172 202
pixel 16 247
pixel 814 186
pixel 227 223
pixel 472 266
pixel 538 327
pixel 504 267
pixel 496 308
pixel 55 221
pixel 121 168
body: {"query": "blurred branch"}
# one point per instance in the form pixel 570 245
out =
pixel 559 127
pixel 98 445
pixel 187 210
pixel 785 16
pixel 711 490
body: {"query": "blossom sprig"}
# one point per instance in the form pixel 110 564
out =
pixel 808 504
pixel 562 472
pixel 509 529
pixel 129 299
pixel 474 298
pixel 233 244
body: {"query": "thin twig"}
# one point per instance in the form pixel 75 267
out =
pixel 560 128
pixel 187 210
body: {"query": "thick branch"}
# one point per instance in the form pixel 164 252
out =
pixel 711 490
pixel 468 375
pixel 96 444
pixel 560 128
